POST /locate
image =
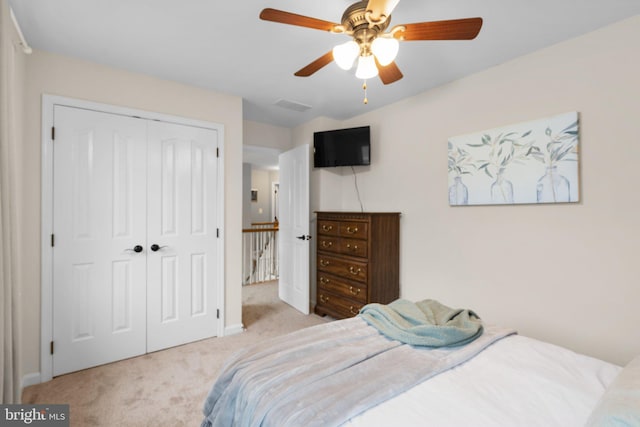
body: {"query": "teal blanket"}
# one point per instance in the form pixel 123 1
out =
pixel 425 323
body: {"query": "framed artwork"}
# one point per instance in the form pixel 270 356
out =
pixel 254 195
pixel 530 162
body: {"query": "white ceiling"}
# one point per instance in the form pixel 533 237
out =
pixel 224 46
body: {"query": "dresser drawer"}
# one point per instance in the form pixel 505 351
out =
pixel 329 244
pixel 333 284
pixel 352 270
pixel 336 245
pixel 330 228
pixel 336 305
pixel 353 247
pixel 354 229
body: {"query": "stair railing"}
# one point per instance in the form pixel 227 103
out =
pixel 260 252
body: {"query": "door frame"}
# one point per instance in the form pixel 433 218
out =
pixel 46 261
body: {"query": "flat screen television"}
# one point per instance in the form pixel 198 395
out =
pixel 342 147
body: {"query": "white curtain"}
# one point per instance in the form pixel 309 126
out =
pixel 9 283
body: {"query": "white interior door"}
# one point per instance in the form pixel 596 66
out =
pixel 294 228
pixel 99 217
pixel 134 222
pixel 182 223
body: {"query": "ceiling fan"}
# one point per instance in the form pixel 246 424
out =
pixel 372 45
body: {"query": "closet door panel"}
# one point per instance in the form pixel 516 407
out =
pixel 182 223
pixel 99 217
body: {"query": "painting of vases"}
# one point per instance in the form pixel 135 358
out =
pixel 529 162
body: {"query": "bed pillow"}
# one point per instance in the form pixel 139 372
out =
pixel 620 404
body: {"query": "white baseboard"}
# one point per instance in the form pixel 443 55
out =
pixel 31 379
pixel 233 330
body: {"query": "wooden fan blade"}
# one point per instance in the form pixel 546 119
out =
pixel 283 17
pixel 381 8
pixel 453 29
pixel 315 65
pixel 389 73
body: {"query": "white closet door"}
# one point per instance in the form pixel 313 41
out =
pixel 99 217
pixel 181 279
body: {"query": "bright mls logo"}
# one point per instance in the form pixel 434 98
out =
pixel 35 415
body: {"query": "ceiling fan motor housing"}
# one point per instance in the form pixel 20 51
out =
pixel 355 22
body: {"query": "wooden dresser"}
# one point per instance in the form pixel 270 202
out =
pixel 358 261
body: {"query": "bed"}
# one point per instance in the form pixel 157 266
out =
pixel 419 364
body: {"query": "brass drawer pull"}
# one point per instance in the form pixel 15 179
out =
pixel 354 271
pixel 353 230
pixel 355 247
pixel 354 291
pixel 324 263
pixel 324 299
pixel 353 310
pixel 326 244
pixel 324 280
pixel 327 227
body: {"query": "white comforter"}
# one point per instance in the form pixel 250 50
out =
pixel 517 381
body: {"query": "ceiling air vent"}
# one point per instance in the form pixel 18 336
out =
pixel 292 105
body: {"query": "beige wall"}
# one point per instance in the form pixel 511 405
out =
pixel 326 184
pixel 265 135
pixel 261 209
pixel 47 73
pixel 563 273
pixel 256 136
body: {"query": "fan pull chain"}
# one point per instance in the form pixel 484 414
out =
pixel 364 87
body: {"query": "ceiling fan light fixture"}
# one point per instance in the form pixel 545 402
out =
pixel 366 67
pixel 385 49
pixel 345 54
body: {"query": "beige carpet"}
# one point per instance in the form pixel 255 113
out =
pixel 166 388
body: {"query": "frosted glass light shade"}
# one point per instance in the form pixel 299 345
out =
pixel 385 49
pixel 366 67
pixel 345 54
